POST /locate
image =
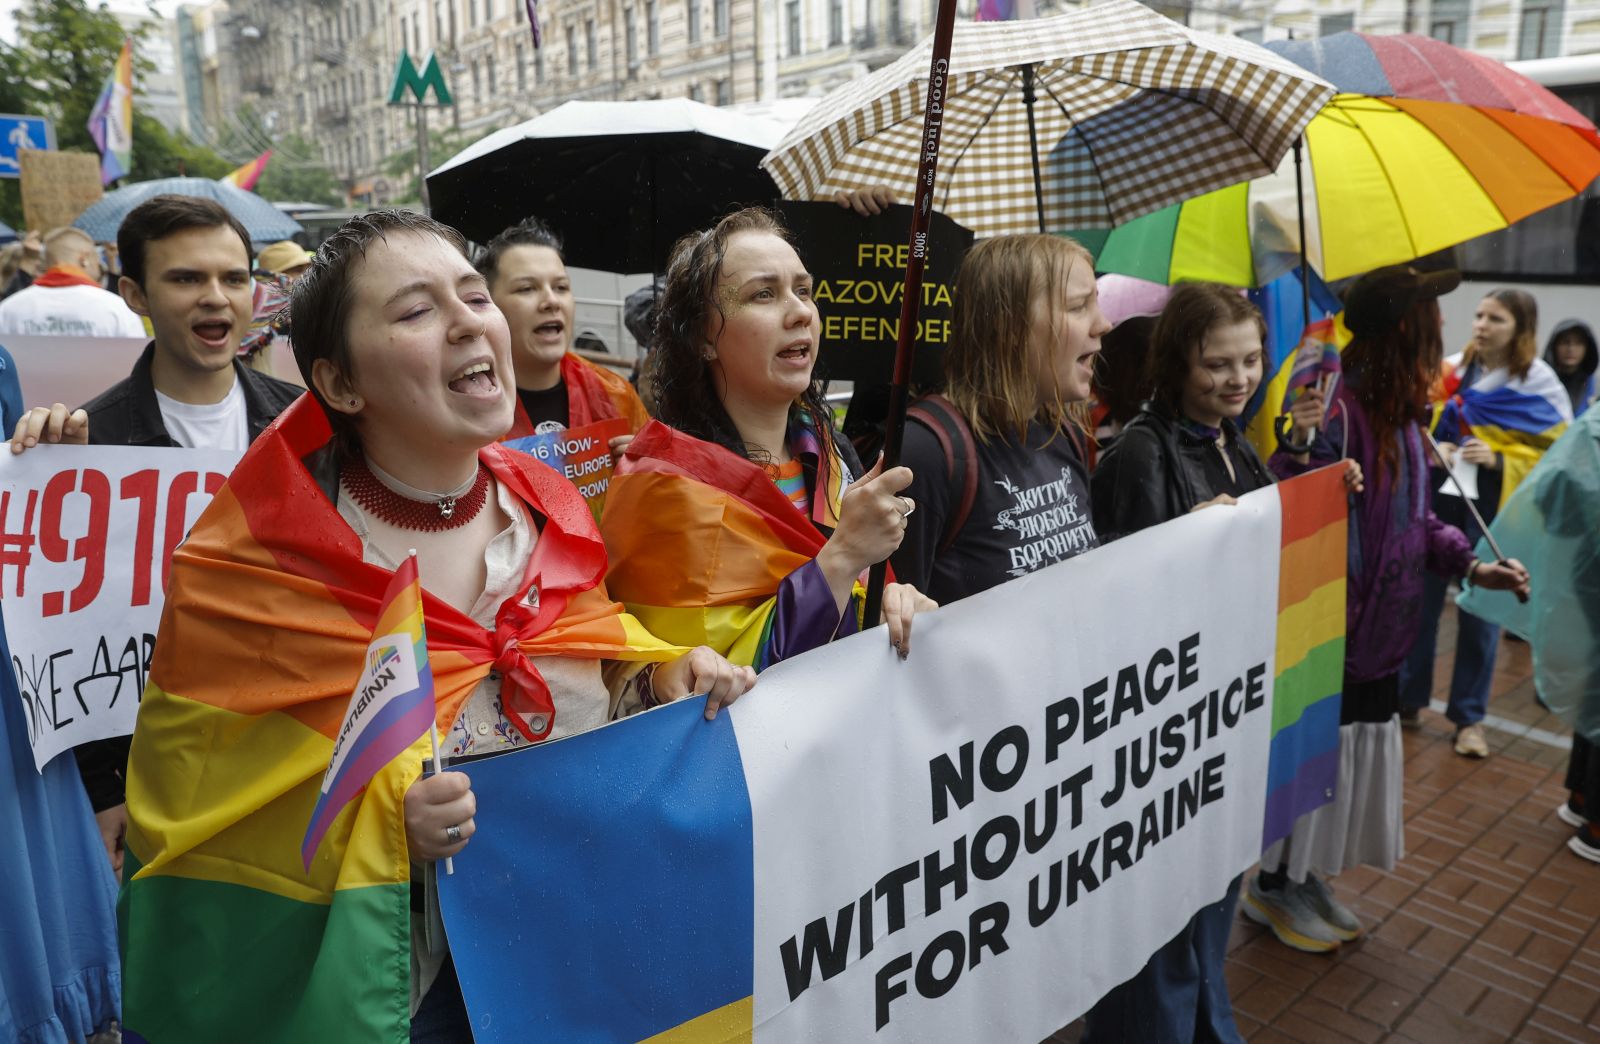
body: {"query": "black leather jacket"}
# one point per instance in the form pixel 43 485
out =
pixel 1155 471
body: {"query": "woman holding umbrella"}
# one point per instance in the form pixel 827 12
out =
pixel 737 516
pixel 1394 537
pixel 555 387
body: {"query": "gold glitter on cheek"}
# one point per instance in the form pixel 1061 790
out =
pixel 728 300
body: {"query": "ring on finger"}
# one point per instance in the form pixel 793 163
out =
pixel 453 833
pixel 910 506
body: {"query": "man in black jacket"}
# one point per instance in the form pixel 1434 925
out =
pixel 185 267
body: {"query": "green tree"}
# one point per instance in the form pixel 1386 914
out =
pixel 291 176
pixel 401 165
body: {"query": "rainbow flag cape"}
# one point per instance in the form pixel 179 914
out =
pixel 269 615
pixel 391 707
pixel 700 540
pixel 594 394
pixel 111 119
pixel 1303 766
pixel 245 177
pixel 1518 417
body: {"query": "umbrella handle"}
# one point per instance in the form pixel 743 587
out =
pixel 921 210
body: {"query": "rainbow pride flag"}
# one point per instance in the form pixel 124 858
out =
pixel 268 623
pixel 245 177
pixel 391 707
pixel 111 119
pixel 1287 336
pixel 1303 766
pixel 700 541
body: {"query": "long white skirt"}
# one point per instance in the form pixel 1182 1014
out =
pixel 1364 823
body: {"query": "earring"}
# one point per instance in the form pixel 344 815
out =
pixel 355 403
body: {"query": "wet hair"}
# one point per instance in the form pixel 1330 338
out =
pixel 161 216
pixel 527 232
pixel 320 304
pixel 990 375
pixel 678 375
pixel 1524 347
pixel 1391 373
pixel 1191 313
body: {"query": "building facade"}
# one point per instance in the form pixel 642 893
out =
pixel 322 69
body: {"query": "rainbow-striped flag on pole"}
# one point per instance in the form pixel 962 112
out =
pixel 111 119
pixel 391 708
pixel 245 177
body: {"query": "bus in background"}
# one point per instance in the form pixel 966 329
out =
pixel 1553 254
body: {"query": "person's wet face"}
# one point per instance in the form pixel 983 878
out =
pixel 1065 327
pixel 1223 373
pixel 532 288
pixel 196 294
pixel 429 351
pixel 761 335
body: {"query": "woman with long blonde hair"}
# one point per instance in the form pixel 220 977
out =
pixel 1001 481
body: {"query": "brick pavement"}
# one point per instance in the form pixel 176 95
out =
pixel 1487 931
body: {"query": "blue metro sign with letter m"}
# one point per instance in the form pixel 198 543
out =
pixel 22 132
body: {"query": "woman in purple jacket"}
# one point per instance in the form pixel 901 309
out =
pixel 1394 537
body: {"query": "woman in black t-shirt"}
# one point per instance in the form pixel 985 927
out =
pixel 1001 485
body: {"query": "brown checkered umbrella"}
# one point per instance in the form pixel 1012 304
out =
pixel 1133 112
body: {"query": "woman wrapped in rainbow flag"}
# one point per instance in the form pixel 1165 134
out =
pixel 735 519
pixel 272 602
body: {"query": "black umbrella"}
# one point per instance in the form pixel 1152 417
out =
pixel 620 181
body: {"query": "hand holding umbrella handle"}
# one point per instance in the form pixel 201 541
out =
pixel 1483 527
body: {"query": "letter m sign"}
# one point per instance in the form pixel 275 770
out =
pixel 407 79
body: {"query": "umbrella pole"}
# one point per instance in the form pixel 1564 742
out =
pixel 422 158
pixel 1033 142
pixel 911 299
pixel 1300 208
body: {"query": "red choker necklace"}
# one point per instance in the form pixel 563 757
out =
pixel 426 515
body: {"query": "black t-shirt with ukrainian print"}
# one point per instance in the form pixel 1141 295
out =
pixel 1031 509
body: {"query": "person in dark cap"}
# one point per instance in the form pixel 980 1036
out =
pixel 1394 538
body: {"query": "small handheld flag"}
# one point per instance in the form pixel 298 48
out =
pixel 391 708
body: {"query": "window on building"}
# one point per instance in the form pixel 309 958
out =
pixel 652 28
pixel 1539 29
pixel 791 27
pixel 522 68
pixel 691 10
pixel 572 50
pixel 1447 21
pixel 1327 25
pixel 472 13
pixel 416 29
pixel 695 93
pixel 477 81
pixel 488 11
pixel 538 65
pixel 591 45
pixel 630 37
pixel 405 36
pixel 438 20
pixel 719 17
pixel 1252 34
pixel 724 92
pixel 835 22
pixel 489 70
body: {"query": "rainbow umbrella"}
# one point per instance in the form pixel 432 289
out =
pixel 1425 146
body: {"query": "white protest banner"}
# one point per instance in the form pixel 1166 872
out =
pixel 975 843
pixel 86 541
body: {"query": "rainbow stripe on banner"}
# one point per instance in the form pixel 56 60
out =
pixel 391 707
pixel 1303 766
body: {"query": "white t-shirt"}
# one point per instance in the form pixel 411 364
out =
pixel 69 311
pixel 221 425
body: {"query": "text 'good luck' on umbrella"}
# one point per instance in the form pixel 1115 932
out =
pixel 1130 111
pixel 1426 147
pixel 264 222
pixel 620 181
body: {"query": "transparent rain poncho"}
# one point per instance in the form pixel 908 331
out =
pixel 1552 525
